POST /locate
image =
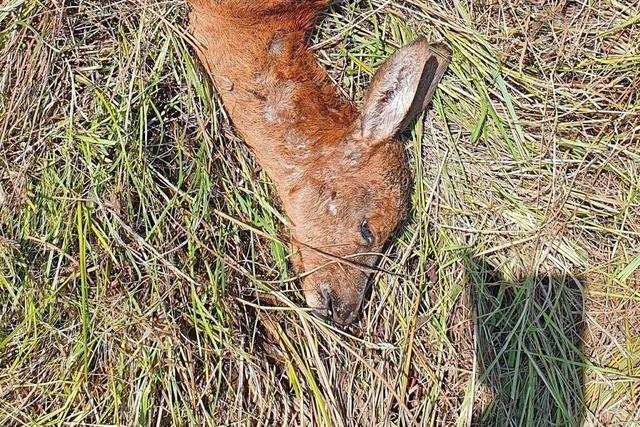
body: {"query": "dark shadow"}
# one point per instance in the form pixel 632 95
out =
pixel 528 344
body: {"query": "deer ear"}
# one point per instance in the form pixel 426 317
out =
pixel 401 88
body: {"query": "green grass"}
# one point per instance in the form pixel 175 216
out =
pixel 144 274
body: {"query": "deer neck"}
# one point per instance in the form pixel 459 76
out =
pixel 278 97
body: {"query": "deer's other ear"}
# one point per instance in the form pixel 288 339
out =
pixel 401 88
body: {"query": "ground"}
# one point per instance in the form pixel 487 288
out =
pixel 144 274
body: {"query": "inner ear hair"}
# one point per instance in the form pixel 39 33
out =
pixel 402 87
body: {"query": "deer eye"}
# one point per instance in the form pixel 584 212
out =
pixel 366 233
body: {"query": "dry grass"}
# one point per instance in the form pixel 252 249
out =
pixel 143 280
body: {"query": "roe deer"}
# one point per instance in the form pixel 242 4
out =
pixel 342 179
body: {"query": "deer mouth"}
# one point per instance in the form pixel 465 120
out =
pixel 340 313
pixel 327 304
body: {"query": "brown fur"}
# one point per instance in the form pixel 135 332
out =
pixel 332 166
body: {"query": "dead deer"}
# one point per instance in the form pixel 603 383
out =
pixel 342 178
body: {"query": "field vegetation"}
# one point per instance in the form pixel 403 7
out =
pixel 144 273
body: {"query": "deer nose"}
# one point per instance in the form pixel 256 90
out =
pixel 341 312
pixel 344 313
pixel 321 301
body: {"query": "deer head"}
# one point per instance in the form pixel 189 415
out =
pixel 341 174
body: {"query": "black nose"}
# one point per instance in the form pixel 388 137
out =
pixel 343 313
pixel 339 311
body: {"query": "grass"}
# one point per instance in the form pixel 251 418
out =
pixel 144 279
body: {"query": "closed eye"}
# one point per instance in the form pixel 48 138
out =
pixel 366 233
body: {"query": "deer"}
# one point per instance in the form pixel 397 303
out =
pixel 340 172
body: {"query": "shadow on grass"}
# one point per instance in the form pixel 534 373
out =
pixel 528 342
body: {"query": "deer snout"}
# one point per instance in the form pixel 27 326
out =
pixel 344 313
pixel 341 307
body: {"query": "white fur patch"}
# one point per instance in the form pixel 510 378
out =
pixel 279 104
pixel 294 138
pixel 290 167
pixel 315 301
pixel 276 47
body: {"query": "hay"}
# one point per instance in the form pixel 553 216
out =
pixel 510 296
